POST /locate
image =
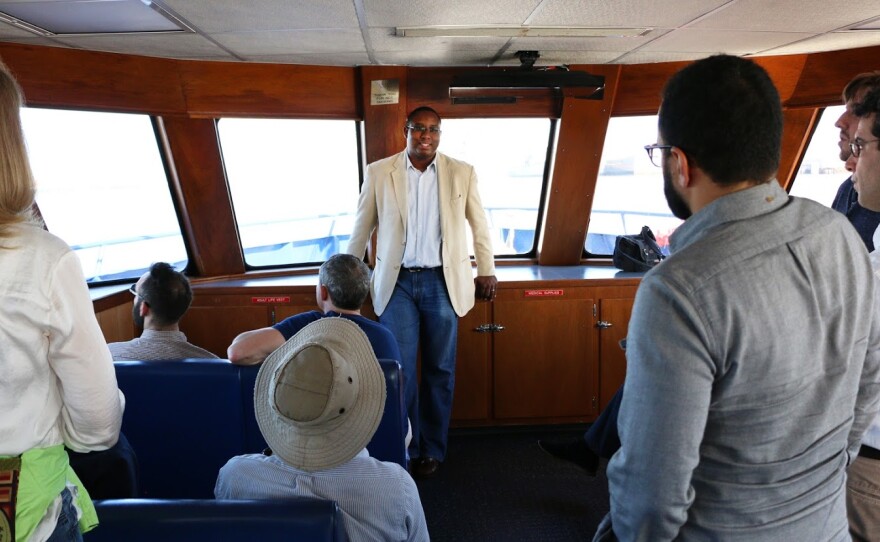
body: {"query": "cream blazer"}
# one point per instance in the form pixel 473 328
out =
pixel 383 205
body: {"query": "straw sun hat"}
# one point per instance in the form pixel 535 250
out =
pixel 320 396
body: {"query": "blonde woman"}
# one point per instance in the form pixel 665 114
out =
pixel 58 386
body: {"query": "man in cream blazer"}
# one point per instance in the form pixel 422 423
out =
pixel 419 201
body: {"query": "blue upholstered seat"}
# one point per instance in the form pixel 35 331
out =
pixel 185 419
pixel 142 520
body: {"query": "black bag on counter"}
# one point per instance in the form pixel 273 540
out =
pixel 636 252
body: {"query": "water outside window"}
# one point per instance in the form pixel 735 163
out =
pixel 822 171
pixel 294 186
pixel 102 188
pixel 509 157
pixel 629 189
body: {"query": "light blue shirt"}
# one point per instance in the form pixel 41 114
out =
pixel 422 217
pixel 872 435
pixel 753 366
pixel 378 500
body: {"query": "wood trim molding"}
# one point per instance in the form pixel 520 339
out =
pixel 798 129
pixel 578 154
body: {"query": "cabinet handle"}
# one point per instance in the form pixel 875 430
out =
pixel 601 324
pixel 486 328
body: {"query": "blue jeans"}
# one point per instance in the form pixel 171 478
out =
pixel 420 311
pixel 67 528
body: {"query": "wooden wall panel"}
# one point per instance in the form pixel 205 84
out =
pixel 799 127
pixel 383 124
pixel 203 196
pixel 216 89
pixel 430 86
pixel 54 76
pixel 578 153
pixel 825 74
pixel 116 323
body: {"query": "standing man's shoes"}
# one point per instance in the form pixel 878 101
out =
pixel 425 467
pixel 573 451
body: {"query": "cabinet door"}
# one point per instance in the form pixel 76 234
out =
pixel 543 359
pixel 472 386
pixel 613 320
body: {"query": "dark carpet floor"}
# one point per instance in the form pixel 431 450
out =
pixel 499 485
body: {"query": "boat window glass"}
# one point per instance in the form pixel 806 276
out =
pixel 509 156
pixel 629 188
pixel 102 188
pixel 822 171
pixel 294 187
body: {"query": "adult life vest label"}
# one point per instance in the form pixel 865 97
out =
pixel 270 299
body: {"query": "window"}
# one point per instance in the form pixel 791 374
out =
pixel 102 188
pixel 294 186
pixel 629 189
pixel 822 171
pixel 509 156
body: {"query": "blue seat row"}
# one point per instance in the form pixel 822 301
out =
pixel 185 419
pixel 143 520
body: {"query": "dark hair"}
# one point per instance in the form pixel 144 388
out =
pixel 347 279
pixel 422 109
pixel 724 113
pixel 167 292
pixel 862 82
pixel 870 104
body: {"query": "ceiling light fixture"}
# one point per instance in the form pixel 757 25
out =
pixel 515 31
pixel 85 17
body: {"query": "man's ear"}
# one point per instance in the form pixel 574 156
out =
pixel 325 293
pixel 144 308
pixel 682 174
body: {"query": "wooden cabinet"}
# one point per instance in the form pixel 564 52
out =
pixel 215 318
pixel 556 360
pixel 473 388
pixel 614 316
pixel 542 357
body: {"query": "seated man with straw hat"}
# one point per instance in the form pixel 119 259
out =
pixel 318 400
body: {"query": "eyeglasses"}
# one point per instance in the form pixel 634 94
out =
pixel 858 144
pixel 433 130
pixel 134 292
pixel 658 161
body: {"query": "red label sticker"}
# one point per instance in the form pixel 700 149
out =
pixel 269 300
pixel 543 293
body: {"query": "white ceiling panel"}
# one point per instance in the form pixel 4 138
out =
pixel 830 42
pixel 359 32
pixel 559 58
pixel 790 15
pixel 693 40
pixel 159 45
pixel 447 12
pixel 384 40
pixel 335 59
pixel 291 42
pixel 9 31
pixel 626 13
pixel 640 57
pixel 583 44
pixel 265 15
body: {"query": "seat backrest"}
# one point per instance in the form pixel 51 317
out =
pixel 184 420
pixel 172 520
pixel 387 444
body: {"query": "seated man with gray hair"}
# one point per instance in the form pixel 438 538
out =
pixel 318 400
pixel 343 287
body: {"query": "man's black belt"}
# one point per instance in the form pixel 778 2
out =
pixel 869 452
pixel 419 269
